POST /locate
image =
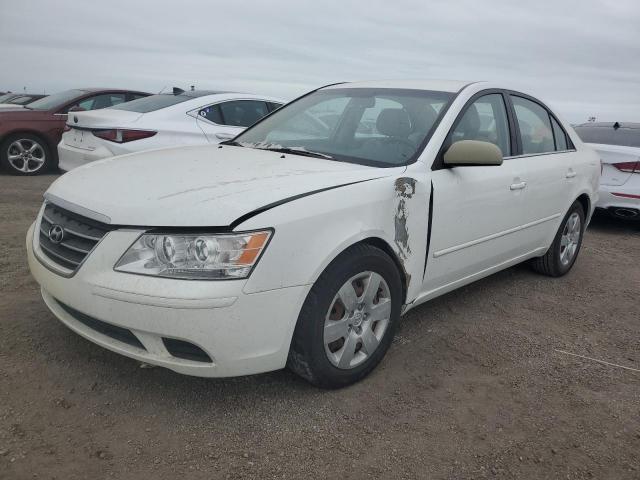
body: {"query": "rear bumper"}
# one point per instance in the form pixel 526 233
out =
pixel 238 333
pixel 70 157
pixel 623 196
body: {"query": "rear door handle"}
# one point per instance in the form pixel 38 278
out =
pixel 571 173
pixel 518 186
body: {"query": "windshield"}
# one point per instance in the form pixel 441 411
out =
pixel 627 137
pixel 380 127
pixel 152 103
pixel 56 100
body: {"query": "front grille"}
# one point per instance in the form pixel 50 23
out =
pixel 113 331
pixel 79 236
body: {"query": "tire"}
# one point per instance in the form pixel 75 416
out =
pixel 557 261
pixel 327 364
pixel 25 154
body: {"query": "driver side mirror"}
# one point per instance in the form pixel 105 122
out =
pixel 473 153
pixel 76 108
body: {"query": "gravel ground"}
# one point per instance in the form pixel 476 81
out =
pixel 473 387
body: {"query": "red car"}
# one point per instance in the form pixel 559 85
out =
pixel 29 135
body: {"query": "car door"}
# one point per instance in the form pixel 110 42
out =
pixel 477 211
pixel 223 121
pixel 545 157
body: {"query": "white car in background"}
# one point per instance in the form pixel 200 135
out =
pixel 163 120
pixel 301 242
pixel 618 145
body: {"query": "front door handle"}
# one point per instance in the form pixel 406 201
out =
pixel 518 186
pixel 571 173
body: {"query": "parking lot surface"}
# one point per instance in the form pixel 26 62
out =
pixel 478 384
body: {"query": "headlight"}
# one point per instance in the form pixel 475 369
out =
pixel 195 256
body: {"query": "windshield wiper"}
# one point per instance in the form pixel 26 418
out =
pixel 233 143
pixel 297 151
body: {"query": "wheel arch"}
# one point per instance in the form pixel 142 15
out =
pixel 386 248
pixel 585 201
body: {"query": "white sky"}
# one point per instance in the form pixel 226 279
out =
pixel 581 57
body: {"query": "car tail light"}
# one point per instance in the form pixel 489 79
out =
pixel 123 136
pixel 66 128
pixel 628 167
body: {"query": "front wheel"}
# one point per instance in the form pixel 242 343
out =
pixel 25 154
pixel 348 320
pixel 566 245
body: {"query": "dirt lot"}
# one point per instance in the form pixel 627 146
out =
pixel 472 388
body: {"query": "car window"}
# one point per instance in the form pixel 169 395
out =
pixel 211 113
pixel 22 100
pixel 273 106
pixel 485 120
pixel 102 101
pixel 242 113
pixel 535 126
pixel 315 123
pixel 135 96
pixel 607 135
pixel 55 101
pixel 559 136
pixel 371 126
pixel 152 103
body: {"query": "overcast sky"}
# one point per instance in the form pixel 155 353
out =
pixel 582 57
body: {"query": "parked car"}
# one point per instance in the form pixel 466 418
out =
pixel 278 248
pixel 618 145
pixel 17 100
pixel 29 135
pixel 179 118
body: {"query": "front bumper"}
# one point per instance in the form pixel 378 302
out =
pixel 241 333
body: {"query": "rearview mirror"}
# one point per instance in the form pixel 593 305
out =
pixel 473 153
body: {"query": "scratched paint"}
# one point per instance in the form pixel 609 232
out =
pixel 405 189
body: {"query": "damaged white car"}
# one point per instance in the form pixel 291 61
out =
pixel 302 241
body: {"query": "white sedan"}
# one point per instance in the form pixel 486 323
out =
pixel 157 121
pixel 618 145
pixel 302 242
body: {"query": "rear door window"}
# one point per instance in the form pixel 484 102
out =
pixel 102 101
pixel 242 113
pixel 533 119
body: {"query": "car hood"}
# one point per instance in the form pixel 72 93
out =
pixel 197 185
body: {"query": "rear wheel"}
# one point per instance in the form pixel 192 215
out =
pixel 566 245
pixel 348 320
pixel 25 154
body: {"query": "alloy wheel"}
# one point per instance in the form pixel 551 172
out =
pixel 357 320
pixel 26 155
pixel 570 238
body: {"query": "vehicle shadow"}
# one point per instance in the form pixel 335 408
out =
pixel 605 223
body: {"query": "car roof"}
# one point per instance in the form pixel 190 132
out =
pixel 633 125
pixel 435 85
pixel 93 90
